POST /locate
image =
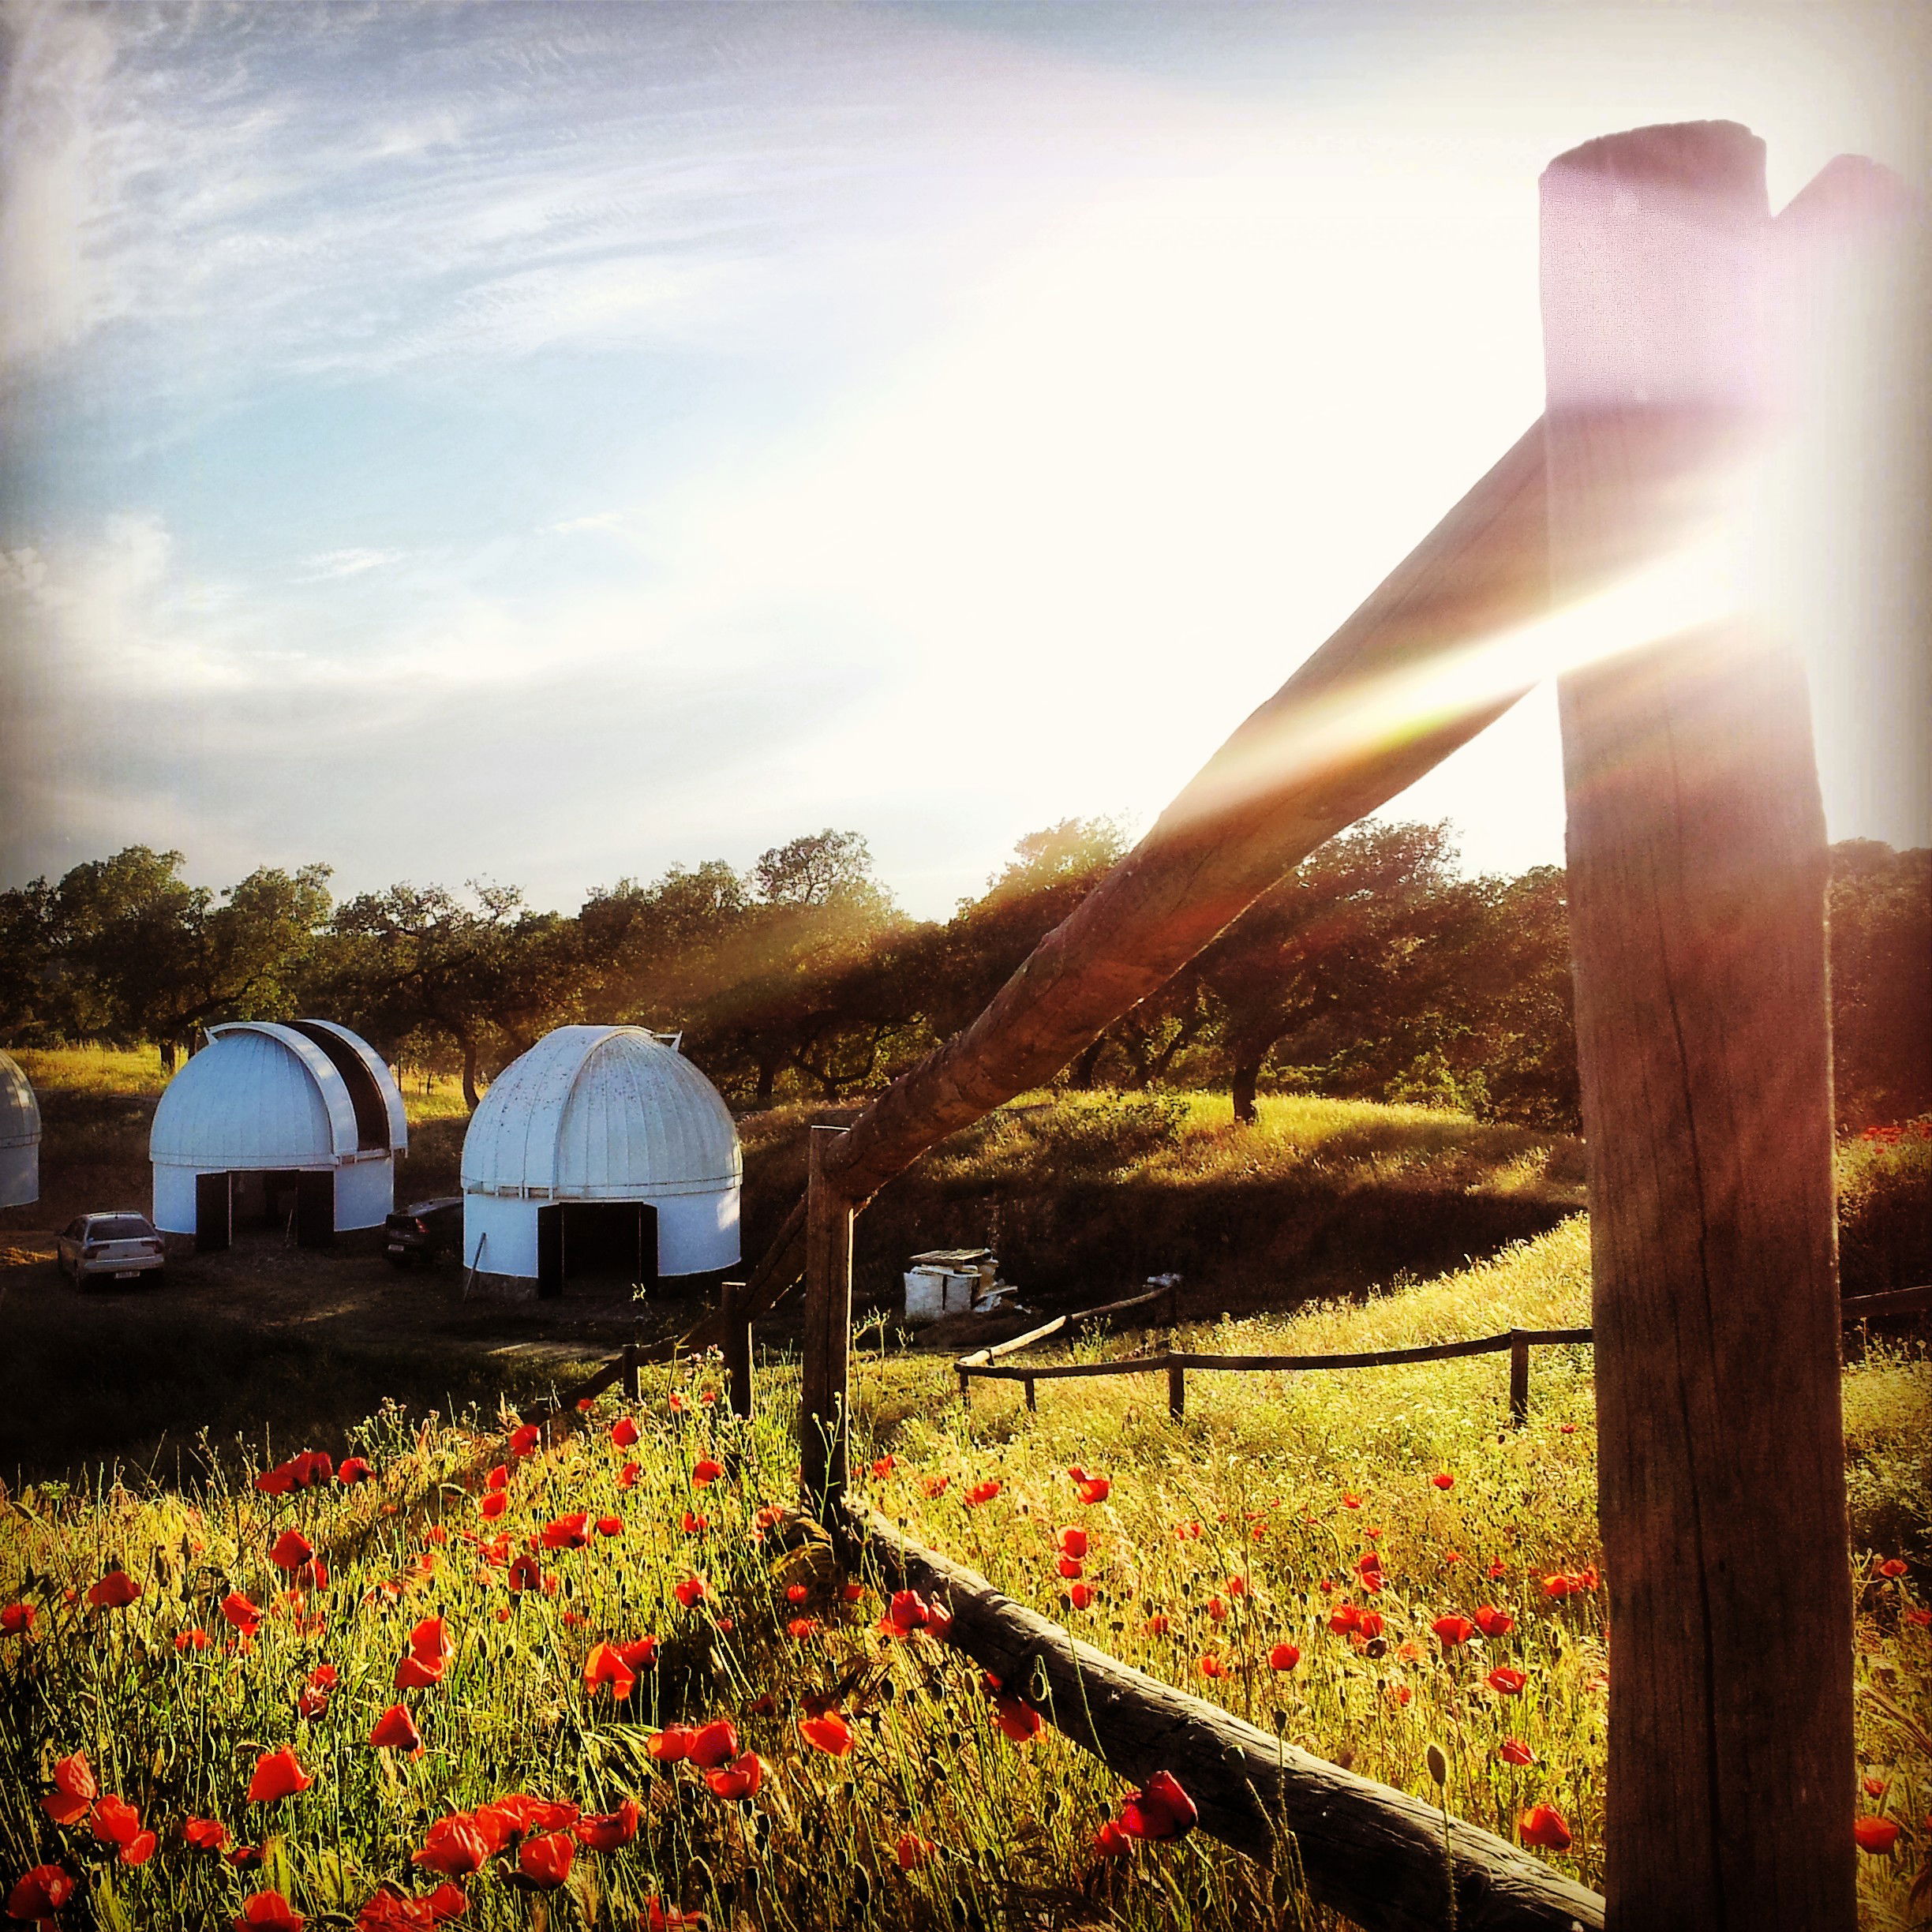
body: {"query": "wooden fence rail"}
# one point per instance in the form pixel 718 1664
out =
pixel 984 1364
pixel 1389 1862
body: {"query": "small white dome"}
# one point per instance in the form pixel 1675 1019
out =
pixel 601 1113
pixel 260 1094
pixel 19 1113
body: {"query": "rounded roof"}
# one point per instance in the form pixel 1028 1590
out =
pixel 606 1112
pixel 20 1112
pixel 265 1094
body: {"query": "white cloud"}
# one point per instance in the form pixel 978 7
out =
pixel 332 564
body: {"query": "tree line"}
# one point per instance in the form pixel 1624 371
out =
pixel 1377 970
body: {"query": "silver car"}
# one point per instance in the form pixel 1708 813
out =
pixel 109 1247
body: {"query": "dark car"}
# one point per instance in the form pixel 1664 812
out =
pixel 426 1232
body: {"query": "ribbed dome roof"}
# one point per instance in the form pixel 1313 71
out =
pixel 262 1095
pixel 19 1113
pixel 601 1112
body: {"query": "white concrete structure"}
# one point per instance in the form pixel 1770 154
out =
pixel 275 1119
pixel 601 1149
pixel 19 1137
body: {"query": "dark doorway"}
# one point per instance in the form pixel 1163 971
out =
pixel 214 1212
pixel 602 1244
pixel 315 1210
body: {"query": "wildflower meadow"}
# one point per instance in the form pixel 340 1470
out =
pixel 599 1674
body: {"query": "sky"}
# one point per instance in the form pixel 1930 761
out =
pixel 547 443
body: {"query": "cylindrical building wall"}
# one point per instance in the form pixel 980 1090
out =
pixel 365 1194
pixel 20 1174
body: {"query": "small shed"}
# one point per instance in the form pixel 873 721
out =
pixel 20 1137
pixel 601 1152
pixel 293 1123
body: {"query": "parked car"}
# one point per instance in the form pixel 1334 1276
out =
pixel 110 1247
pixel 426 1232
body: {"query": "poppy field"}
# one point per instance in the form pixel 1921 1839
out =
pixel 597 1675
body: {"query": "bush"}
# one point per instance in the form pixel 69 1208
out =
pixel 1113 1133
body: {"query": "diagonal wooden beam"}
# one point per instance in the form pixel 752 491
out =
pixel 1363 719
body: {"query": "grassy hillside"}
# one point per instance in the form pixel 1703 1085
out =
pixel 1246 1529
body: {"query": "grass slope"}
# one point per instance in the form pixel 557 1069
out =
pixel 1244 1530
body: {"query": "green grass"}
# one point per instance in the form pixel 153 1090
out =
pixel 1265 1466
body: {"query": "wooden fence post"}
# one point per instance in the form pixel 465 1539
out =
pixel 1696 869
pixel 824 1395
pixel 737 1342
pixel 1176 1393
pixel 1519 1378
pixel 632 1383
pixel 1032 1396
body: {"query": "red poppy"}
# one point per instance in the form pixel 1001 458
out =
pixel 627 1475
pixel 1155 1625
pixel 1875 1835
pixel 912 1851
pixel 567 1533
pixel 291 1550
pixel 671 1745
pixel 851 1593
pixel 1344 1617
pixel 1212 1666
pixel 932 1486
pixel 492 1505
pixel 608 1830
pixel 1111 1842
pixel 610 1525
pixel 1017 1720
pixel 1350 1500
pixel 695 1525
pixel 691 1592
pixel 455 1847
pixel 1217 1609
pixel 1873 1787
pixel 981 1492
pixel 1090 1488
pixel 41 1893
pixel 524 1438
pixel 1452 1631
pixel 1073 1542
pixel 395 1730
pixel 245 1616
pixel 16 1620
pixel 278 1775
pixel 545 1862
pixel 205 1834
pixel 1160 1808
pixel 1494 1623
pixel 417 1673
pixel 268 1912
pixel 829 1733
pixel 114 1821
pixel 1921 1618
pixel 1505 1682
pixel 1368 1625
pixel 606 1665
pixel 312 1465
pixel 714 1743
pixel 525 1572
pixel 115 1591
pixel 1284 1656
pixel 1892 1566
pixel 74 1790
pixel 638 1652
pixel 659 1917
pixel 1515 1751
pixel 1544 1828
pixel 354 1470
pixel 1442 1480
pixel 1069 1566
pixel 314 1694
pixel 908 1612
pixel 1081 1596
pixel 623 1432
pixel 738 1779
pixel 798 1629
pixel 390 1912
pixel 706 1472
pixel 244 1857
